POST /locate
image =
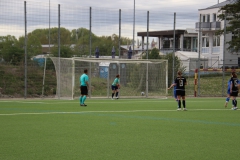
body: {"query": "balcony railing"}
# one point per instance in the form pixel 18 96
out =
pixel 216 49
pixel 208 25
pixel 205 49
pixel 215 25
pixel 170 50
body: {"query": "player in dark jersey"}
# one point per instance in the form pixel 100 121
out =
pixel 180 83
pixel 234 89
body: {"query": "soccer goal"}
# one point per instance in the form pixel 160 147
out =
pixel 138 78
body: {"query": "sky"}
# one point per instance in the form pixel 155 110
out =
pixel 105 15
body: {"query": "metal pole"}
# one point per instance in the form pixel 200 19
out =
pixel 147 53
pixel 119 50
pixel 224 52
pixel 25 48
pixel 44 74
pixel 90 48
pixel 119 39
pixel 108 84
pixel 90 32
pixel 45 62
pixel 77 35
pixel 73 77
pixel 147 31
pixel 173 56
pixel 199 52
pixel 49 37
pixel 59 65
pixel 133 27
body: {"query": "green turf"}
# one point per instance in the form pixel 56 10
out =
pixel 129 129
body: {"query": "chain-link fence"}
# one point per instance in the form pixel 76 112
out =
pixel 32 31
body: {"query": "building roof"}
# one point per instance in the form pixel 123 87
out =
pixel 47 45
pixel 161 33
pixel 136 48
pixel 191 31
pixel 219 5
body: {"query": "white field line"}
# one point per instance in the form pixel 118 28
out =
pixel 115 101
pixel 19 102
pixel 43 113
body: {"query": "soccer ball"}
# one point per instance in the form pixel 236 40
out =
pixel 142 93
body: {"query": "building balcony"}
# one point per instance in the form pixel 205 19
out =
pixel 170 50
pixel 215 25
pixel 205 49
pixel 208 26
pixel 216 49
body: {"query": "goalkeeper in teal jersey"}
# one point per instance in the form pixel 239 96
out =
pixel 115 86
pixel 84 86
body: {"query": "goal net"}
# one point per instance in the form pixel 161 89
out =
pixel 138 78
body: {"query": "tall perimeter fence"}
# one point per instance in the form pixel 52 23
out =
pixel 32 32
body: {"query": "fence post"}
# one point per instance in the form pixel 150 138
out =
pixel 59 65
pixel 90 49
pixel 119 39
pixel 147 53
pixel 199 52
pixel 195 82
pixel 25 48
pixel 173 56
pixel 224 51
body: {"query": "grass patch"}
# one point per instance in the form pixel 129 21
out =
pixel 119 129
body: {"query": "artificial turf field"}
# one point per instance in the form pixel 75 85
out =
pixel 124 129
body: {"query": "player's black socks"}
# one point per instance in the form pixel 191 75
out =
pixel 235 103
pixel 116 94
pixel 112 95
pixel 184 103
pixel 179 103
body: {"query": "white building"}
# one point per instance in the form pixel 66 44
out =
pixel 212 46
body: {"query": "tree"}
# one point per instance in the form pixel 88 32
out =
pixel 34 46
pixel 5 43
pixel 65 51
pixel 154 54
pixel 10 51
pixel 177 66
pixel 232 13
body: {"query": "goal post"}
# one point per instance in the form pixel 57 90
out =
pixel 136 77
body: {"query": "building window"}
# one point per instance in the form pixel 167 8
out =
pixel 208 18
pixel 187 44
pixel 166 42
pixel 216 40
pixel 203 18
pixel 205 40
pixel 214 17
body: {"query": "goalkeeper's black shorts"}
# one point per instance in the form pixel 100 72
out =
pixel 84 90
pixel 234 94
pixel 180 93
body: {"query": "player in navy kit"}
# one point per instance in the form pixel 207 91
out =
pixel 180 83
pixel 174 91
pixel 234 89
pixel 228 93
